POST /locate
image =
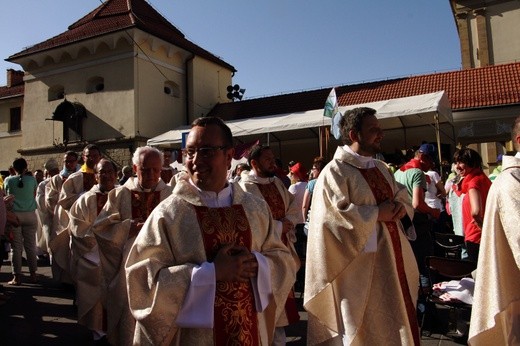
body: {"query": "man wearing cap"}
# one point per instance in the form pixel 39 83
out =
pixel 412 175
pixel 263 182
pixel 45 215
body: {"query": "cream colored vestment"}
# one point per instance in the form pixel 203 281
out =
pixel 170 246
pixel 353 295
pixel 495 316
pixel 111 230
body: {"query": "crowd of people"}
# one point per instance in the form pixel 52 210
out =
pixel 208 255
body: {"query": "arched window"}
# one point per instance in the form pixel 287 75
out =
pixel 95 85
pixel 171 89
pixel 56 92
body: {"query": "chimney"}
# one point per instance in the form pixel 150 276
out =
pixel 14 77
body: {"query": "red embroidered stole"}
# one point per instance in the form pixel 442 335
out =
pixel 275 202
pixel 143 203
pixel 235 313
pixel 89 180
pixel 383 191
pixel 274 199
pixel 101 200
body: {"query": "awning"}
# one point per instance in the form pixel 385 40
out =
pixel 397 113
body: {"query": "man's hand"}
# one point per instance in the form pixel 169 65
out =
pixel 399 211
pixel 387 211
pixel 235 263
pixel 135 227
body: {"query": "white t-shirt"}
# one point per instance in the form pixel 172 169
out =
pixel 430 196
pixel 298 190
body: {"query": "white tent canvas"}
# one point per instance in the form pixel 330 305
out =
pixel 397 113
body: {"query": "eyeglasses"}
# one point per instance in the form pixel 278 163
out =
pixel 204 152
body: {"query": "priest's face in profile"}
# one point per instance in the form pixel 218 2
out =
pixel 207 157
pixel 370 137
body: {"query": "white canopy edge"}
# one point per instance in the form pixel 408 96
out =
pixel 394 113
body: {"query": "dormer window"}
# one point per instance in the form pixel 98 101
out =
pixel 95 85
pixel 56 92
pixel 171 89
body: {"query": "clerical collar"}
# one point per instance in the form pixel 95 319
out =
pixel 517 155
pixel 260 180
pixel 216 200
pixel 146 190
pixel 364 161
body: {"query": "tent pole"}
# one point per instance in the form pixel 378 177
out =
pixel 437 134
pixel 321 141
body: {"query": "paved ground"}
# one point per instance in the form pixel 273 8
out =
pixel 43 314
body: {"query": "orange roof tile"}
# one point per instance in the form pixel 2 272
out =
pixel 117 15
pixel 489 86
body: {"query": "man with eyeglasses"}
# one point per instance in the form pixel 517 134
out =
pixel 207 268
pixel 85 252
pixel 263 183
pixel 59 240
pixel 115 229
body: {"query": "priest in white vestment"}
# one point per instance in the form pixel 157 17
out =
pixel 361 279
pixel 85 252
pixel 495 316
pixel 115 229
pixel 207 267
pixel 59 239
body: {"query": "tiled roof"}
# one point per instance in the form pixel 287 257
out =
pixel 117 15
pixel 14 91
pixel 466 89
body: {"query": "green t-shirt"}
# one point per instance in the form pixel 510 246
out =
pixel 412 177
pixel 24 196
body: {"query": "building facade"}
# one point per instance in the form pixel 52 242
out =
pixel 116 77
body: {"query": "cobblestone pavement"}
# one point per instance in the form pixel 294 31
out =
pixel 44 314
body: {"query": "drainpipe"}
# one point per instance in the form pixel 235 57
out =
pixel 190 59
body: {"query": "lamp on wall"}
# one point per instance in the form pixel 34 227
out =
pixel 235 92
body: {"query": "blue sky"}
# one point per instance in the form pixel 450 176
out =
pixel 278 46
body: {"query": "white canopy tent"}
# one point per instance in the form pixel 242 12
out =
pixel 406 112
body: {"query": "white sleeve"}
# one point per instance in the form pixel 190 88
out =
pixel 197 309
pixel 262 286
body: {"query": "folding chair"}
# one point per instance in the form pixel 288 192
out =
pixel 446 269
pixel 450 245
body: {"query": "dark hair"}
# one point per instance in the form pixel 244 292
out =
pixel 91 147
pixel 515 132
pixel 114 166
pixel 256 152
pixel 20 165
pixel 319 162
pixel 227 135
pixel 353 120
pixel 72 153
pixel 468 157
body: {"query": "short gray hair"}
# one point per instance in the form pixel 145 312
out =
pixel 136 158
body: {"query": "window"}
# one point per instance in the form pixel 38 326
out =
pixel 95 85
pixel 15 122
pixel 171 89
pixel 56 92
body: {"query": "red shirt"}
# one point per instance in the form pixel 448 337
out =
pixel 479 181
